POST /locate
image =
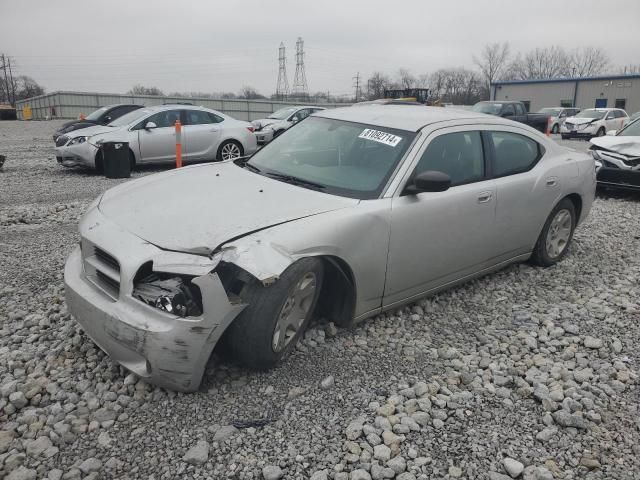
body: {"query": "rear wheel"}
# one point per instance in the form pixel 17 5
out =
pixel 557 233
pixel 276 316
pixel 230 150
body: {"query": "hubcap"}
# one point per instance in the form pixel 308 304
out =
pixel 294 312
pixel 230 151
pixel 559 233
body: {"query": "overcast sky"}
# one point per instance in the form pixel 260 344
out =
pixel 213 46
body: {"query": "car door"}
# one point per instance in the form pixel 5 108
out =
pixel 610 121
pixel 439 237
pixel 526 191
pixel 158 144
pixel 521 113
pixel 202 134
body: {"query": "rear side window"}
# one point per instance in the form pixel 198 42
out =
pixel 459 155
pixel 514 153
pixel 215 118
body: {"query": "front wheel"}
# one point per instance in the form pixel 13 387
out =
pixel 555 129
pixel 600 132
pixel 276 316
pixel 557 233
pixel 230 150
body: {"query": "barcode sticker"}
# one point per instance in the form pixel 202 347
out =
pixel 380 137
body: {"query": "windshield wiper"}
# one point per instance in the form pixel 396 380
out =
pixel 296 180
pixel 251 167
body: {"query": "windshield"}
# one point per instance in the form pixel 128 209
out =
pixel 97 114
pixel 487 107
pixel 590 114
pixel 342 158
pixel 631 130
pixel 129 117
pixel 554 112
pixel 282 113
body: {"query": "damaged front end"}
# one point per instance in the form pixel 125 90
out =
pixel 175 295
pixel 616 169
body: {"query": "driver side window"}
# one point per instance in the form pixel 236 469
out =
pixel 460 155
pixel 508 110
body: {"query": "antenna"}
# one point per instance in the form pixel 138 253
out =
pixel 282 89
pixel 300 88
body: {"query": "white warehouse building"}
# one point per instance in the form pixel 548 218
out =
pixel 615 91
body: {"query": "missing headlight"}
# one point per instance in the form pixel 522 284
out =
pixel 173 294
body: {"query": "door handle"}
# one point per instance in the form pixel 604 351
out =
pixel 213 130
pixel 552 182
pixel 484 197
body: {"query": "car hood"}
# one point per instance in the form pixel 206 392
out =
pixel 624 145
pixel 196 209
pixel 264 122
pixel 581 121
pixel 91 131
pixel 77 124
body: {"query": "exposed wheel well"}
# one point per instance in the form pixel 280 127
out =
pixel 132 159
pixel 577 203
pixel 99 161
pixel 337 299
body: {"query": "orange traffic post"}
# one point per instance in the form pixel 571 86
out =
pixel 82 117
pixel 178 144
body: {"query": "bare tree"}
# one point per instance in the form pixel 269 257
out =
pixel 406 79
pixel 459 86
pixel 142 90
pixel 23 86
pixel 376 85
pixel 631 69
pixel 543 63
pixel 250 93
pixel 587 61
pixel 493 61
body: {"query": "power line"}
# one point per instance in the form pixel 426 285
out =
pixel 282 90
pixel 356 85
pixel 300 87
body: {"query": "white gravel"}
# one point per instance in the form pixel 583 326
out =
pixel 527 373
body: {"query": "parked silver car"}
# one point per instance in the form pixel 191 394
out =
pixel 354 211
pixel 557 116
pixel 150 131
pixel 267 129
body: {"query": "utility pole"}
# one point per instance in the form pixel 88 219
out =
pixel 282 90
pixel 13 85
pixel 356 79
pixel 6 82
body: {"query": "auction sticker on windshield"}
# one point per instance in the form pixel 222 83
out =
pixel 380 137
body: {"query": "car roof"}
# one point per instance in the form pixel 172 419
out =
pixel 404 117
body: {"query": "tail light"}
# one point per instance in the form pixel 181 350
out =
pixel 251 129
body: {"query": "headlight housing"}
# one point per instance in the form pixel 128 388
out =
pixel 78 140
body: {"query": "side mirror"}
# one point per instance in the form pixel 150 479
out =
pixel 150 125
pixel 612 132
pixel 429 181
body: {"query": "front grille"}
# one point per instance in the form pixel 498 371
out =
pixel 609 164
pixel 61 141
pixel 108 283
pixel 104 257
pixel 101 268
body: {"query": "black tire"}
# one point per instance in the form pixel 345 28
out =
pixel 222 146
pixel 600 132
pixel 249 339
pixel 132 160
pixel 99 162
pixel 565 137
pixel 555 129
pixel 541 256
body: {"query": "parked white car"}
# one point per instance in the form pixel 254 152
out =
pixel 594 122
pixel 267 129
pixel 557 116
pixel 150 132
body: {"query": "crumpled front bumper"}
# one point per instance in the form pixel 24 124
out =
pixel 83 154
pixel 164 349
pixel 264 136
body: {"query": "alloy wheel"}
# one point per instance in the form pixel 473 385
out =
pixel 559 233
pixel 294 312
pixel 230 151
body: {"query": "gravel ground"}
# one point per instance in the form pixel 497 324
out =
pixel 526 373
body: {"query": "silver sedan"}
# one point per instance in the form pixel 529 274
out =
pixel 352 212
pixel 150 132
